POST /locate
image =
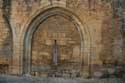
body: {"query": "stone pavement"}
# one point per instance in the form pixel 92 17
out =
pixel 24 79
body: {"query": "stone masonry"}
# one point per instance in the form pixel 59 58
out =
pixel 87 33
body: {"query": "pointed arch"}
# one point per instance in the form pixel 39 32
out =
pixel 43 15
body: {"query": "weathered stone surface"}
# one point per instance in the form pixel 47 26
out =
pixel 104 43
pixel 25 79
pixel 98 74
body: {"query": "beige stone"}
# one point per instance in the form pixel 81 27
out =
pixel 90 29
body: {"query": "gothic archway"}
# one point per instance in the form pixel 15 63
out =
pixel 56 46
pixel 43 16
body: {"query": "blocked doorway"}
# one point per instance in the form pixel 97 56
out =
pixel 56 45
pixel 56 48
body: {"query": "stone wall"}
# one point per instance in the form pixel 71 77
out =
pixel 103 42
pixel 5 41
pixel 68 46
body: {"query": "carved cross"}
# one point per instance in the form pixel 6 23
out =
pixel 55 53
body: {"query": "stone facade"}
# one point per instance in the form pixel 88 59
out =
pixel 87 34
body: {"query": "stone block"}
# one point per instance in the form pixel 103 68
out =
pixel 49 42
pixel 111 70
pixel 62 42
pixel 98 74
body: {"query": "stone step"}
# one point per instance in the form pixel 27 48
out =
pixel 25 79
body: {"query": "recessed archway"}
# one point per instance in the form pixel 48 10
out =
pixel 56 46
pixel 39 19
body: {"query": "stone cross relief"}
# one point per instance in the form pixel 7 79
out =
pixel 55 53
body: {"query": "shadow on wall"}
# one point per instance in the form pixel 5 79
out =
pixel 6 55
pixel 6 50
pixel 7 43
pixel 111 41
